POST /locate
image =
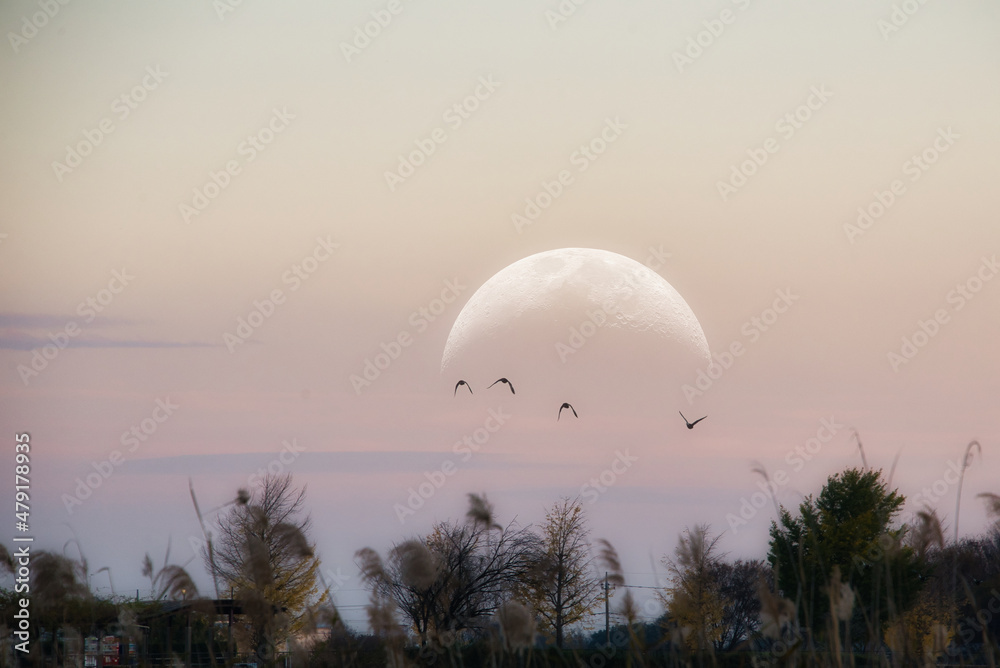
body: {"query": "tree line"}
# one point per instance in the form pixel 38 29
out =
pixel 843 582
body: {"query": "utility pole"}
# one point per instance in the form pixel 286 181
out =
pixel 232 602
pixel 607 613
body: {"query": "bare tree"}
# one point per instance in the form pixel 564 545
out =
pixel 454 579
pixel 738 584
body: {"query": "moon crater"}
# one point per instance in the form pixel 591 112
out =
pixel 526 310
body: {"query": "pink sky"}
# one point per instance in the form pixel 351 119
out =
pixel 289 142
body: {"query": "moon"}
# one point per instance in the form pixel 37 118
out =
pixel 572 316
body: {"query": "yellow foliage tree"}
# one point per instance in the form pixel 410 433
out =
pixel 694 601
pixel 923 632
pixel 263 553
pixel 563 586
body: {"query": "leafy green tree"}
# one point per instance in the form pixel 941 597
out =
pixel 61 607
pixel 849 525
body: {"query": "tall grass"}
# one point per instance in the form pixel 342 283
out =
pixel 952 618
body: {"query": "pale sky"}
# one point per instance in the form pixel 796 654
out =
pixel 164 98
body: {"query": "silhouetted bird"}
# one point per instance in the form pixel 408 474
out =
pixel 505 382
pixel 566 405
pixel 459 384
pixel 691 425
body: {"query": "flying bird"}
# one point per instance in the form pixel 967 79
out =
pixel 505 382
pixel 459 384
pixel 566 405
pixel 690 425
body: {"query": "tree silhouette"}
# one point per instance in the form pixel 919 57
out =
pixel 738 584
pixel 453 580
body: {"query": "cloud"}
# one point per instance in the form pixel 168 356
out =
pixel 380 462
pixel 47 320
pixel 22 342
pixel 28 331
